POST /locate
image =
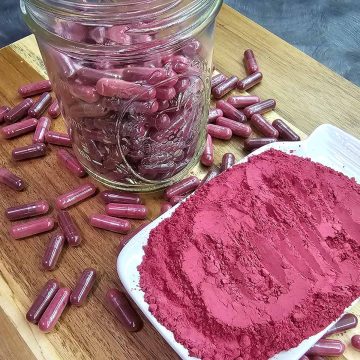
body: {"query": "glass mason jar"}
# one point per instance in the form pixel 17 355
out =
pixel 133 82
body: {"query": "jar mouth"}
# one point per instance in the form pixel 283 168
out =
pixel 172 21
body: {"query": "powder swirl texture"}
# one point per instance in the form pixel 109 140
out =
pixel 262 257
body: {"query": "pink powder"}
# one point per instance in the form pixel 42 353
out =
pixel 262 257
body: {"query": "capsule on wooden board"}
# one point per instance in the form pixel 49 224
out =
pixel 83 287
pixel 225 87
pixel 250 62
pixel 128 211
pixel 219 132
pixel 230 111
pixel 29 152
pixel 217 80
pixel 75 196
pixel 18 111
pixel 42 127
pixel 228 160
pixel 57 138
pixel 256 143
pixel 71 163
pixel 207 157
pixel 110 223
pixel 182 187
pixel 40 105
pixel 25 211
pixel 355 342
pixel 250 81
pixel 69 228
pixel 237 128
pixel 241 102
pixel 53 251
pixel 327 347
pixel 260 108
pixel 285 132
pixel 346 322
pixel 117 196
pixel 32 227
pixel 35 88
pixel 54 109
pixel 3 111
pixel 20 128
pixel 262 126
pixel 11 180
pixel 214 114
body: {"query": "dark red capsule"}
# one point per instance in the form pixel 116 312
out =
pixel 3 111
pixel 116 196
pixel 11 180
pixel 110 223
pixel 230 111
pixel 125 240
pixel 327 347
pixel 83 287
pixel 355 342
pixel 71 232
pixel 262 126
pixel 214 114
pixel 228 160
pixel 211 174
pixel 29 152
pixel 54 110
pixel 128 211
pixel 241 102
pixel 250 81
pixel 19 128
pixel 39 107
pixel 217 80
pixel 225 87
pixel 260 108
pixel 120 306
pixel 182 187
pixel 53 251
pixel 347 322
pixel 256 143
pixel 26 211
pixel 35 88
pixel 237 128
pixel 42 301
pixel 285 132
pixel 250 62
pixel 18 111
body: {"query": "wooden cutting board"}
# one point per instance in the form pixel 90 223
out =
pixel 308 94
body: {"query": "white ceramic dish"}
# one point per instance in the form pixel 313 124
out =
pixel 327 145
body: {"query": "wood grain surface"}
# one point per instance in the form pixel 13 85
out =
pixel 308 95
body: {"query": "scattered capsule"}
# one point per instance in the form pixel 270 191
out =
pixel 125 240
pixel 214 114
pixel 262 126
pixel 260 108
pixel 19 128
pixel 237 128
pixel 11 180
pixel 32 227
pixel 39 107
pixel 182 187
pixel 71 163
pixel 67 225
pixel 18 111
pixel 217 80
pixel 212 173
pixel 165 206
pixel 219 132
pixel 285 132
pixel 83 287
pixel 250 62
pixel 119 305
pixel 26 211
pixel 241 102
pixel 54 310
pixel 35 88
pixel 110 223
pixel 76 195
pixel 225 87
pixel 207 157
pixel 3 111
pixel 57 138
pixel 42 301
pixel 53 251
pixel 54 109
pixel 42 127
pixel 355 342
pixel 250 81
pixel 327 347
pixel 128 211
pixel 256 143
pixel 176 199
pixel 29 152
pixel 346 322
pixel 228 160
pixel 230 111
pixel 116 196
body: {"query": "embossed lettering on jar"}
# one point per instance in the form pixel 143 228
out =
pixel 135 89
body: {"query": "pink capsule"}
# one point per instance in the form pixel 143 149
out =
pixel 161 122
pixel 260 108
pixel 214 114
pixel 56 138
pixel 152 76
pixel 75 196
pixel 119 305
pixel 228 160
pixel 129 236
pixel 192 48
pixel 182 85
pixel 165 93
pixel 225 87
pixel 165 206
pixel 83 287
pixel 53 251
pixel 3 111
pixel 54 110
pixel 85 93
pixel 285 132
pixel 182 187
pixel 230 112
pixel 163 105
pixel 42 301
pixel 211 174
pixel 327 347
pixel 29 152
pixel 237 128
pixel 250 62
pixel 262 126
pixel 41 129
pixel 32 227
pixel 11 180
pixel 219 132
pixel 92 76
pixel 207 157
pixel 19 128
pixel 241 102
pixel 116 196
pixel 18 111
pixel 117 34
pixel 256 143
pixel 54 310
pixel 217 80
pixel 144 107
pixel 35 88
pixel 346 322
pixel 124 89
pixel 39 107
pixel 250 81
pixel 25 211
pixel 71 232
pixel 110 223
pixel 129 211
pixel 176 199
pixel 67 67
pixel 355 342
pixel 71 163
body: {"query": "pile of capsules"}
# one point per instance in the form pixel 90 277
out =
pixel 331 347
